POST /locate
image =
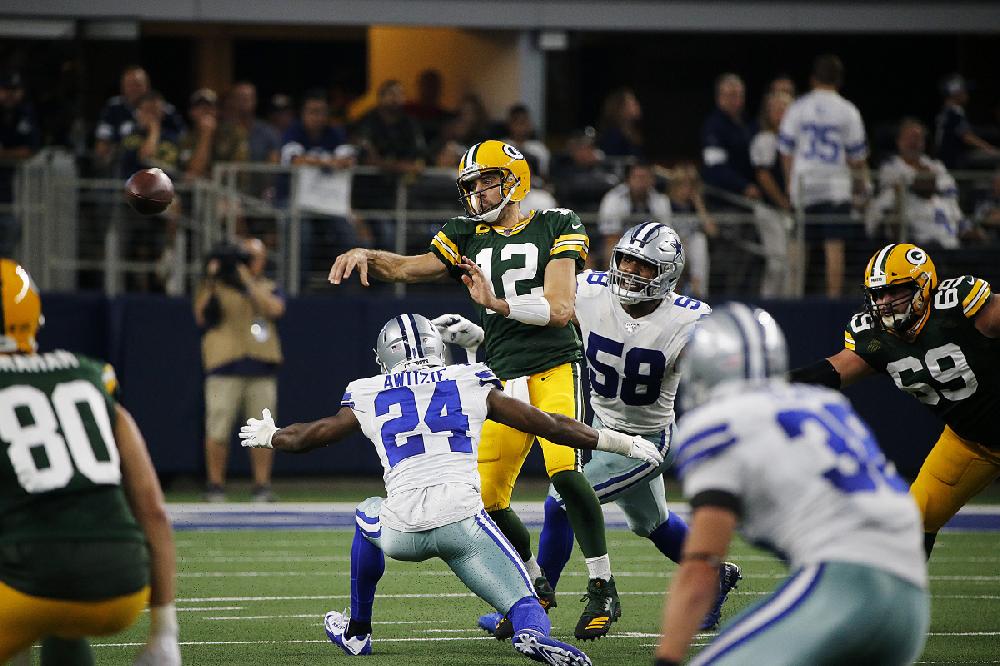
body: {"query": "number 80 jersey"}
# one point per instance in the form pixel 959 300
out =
pixel 950 366
pixel 425 424
pixel 632 362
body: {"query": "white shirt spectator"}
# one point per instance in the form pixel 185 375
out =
pixel 930 220
pixel 821 131
pixel 616 209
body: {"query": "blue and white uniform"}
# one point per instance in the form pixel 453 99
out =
pixel 425 425
pixel 810 484
pixel 633 383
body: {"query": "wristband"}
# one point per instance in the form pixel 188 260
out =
pixel 613 441
pixel 529 309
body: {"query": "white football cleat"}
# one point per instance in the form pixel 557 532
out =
pixel 335 624
pixel 539 647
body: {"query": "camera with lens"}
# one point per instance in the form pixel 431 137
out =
pixel 229 256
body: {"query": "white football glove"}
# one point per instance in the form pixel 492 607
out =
pixel 161 648
pixel 632 446
pixel 257 433
pixel 458 330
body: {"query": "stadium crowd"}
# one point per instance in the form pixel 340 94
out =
pixel 748 167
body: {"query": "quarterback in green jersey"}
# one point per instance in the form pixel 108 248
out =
pixel 530 260
pixel 85 542
pixel 941 344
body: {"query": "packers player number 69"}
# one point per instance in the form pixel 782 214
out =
pixel 940 342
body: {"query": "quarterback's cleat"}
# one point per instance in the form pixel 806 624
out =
pixel 537 646
pixel 335 624
pixel 603 608
pixel 546 595
pixel 729 576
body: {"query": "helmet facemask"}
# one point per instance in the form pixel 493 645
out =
pixel 913 304
pixel 470 196
pixel 631 288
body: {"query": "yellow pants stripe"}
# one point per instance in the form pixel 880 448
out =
pixel 25 619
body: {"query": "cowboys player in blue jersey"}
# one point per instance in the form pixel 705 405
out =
pixel 634 326
pixel 425 420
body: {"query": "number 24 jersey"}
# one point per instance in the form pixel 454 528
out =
pixel 950 367
pixel 425 425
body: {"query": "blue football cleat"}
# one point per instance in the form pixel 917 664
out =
pixel 335 624
pixel 537 646
pixel 489 622
pixel 729 575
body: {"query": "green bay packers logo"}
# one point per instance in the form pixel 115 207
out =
pixel 512 152
pixel 916 256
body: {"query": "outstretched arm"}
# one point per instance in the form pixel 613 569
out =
pixel 298 437
pixel 836 372
pixel 386 266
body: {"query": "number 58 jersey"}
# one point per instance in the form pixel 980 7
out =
pixel 425 425
pixel 632 362
pixel 950 366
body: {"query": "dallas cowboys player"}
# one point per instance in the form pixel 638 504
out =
pixel 799 473
pixel 424 419
pixel 633 327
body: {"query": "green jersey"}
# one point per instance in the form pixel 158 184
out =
pixel 60 477
pixel 514 260
pixel 950 366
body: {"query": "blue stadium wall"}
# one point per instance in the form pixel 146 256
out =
pixel 154 345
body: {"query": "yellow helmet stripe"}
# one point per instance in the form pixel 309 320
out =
pixel 877 277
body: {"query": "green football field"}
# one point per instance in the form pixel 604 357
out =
pixel 258 597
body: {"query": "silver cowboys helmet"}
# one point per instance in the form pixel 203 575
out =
pixel 656 244
pixel 407 342
pixel 735 343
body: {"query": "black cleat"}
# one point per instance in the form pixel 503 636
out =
pixel 603 608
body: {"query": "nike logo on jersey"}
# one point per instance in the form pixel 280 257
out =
pixel 576 226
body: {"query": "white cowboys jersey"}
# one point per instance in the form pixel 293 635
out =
pixel 425 425
pixel 813 485
pixel 633 378
pixel 821 130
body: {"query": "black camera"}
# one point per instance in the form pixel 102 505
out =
pixel 229 256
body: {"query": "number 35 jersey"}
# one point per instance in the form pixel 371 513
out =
pixel 950 367
pixel 60 475
pixel 632 362
pixel 804 475
pixel 425 425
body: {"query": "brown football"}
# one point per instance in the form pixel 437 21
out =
pixel 149 191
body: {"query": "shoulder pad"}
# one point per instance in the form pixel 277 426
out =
pixel 965 292
pixel 859 325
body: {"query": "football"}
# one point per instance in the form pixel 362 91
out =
pixel 149 191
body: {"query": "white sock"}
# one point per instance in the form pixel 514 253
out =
pixel 534 571
pixel 599 567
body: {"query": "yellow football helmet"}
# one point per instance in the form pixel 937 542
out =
pixel 492 155
pixel 20 308
pixel 900 265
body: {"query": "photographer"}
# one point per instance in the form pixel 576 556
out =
pixel 236 308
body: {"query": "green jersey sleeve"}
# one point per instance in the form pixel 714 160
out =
pixel 570 237
pixel 861 337
pixel 965 293
pixel 450 243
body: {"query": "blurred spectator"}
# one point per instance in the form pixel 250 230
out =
pixel 619 133
pixel 628 204
pixel 324 183
pixel 540 196
pixel 773 220
pixel 263 142
pixel 387 137
pixel 19 139
pixel 691 221
pixel 198 145
pixel 823 148
pixel 987 212
pixel 521 134
pixel 237 307
pixel 119 116
pixel 151 141
pixel 782 84
pixel 426 109
pixel 280 113
pixel 953 134
pixel 725 141
pixel 579 175
pixel 919 189
pixel 471 123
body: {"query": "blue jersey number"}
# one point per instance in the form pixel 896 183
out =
pixel 687 302
pixel 643 369
pixel 824 143
pixel 444 413
pixel 596 277
pixel 860 463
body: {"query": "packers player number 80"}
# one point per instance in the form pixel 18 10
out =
pixel 957 370
pixel 510 277
pixel 62 451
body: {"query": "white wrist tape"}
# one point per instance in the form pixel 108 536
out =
pixel 614 441
pixel 529 309
pixel 163 620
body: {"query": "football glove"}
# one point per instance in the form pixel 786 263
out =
pixel 257 433
pixel 458 330
pixel 161 647
pixel 632 446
